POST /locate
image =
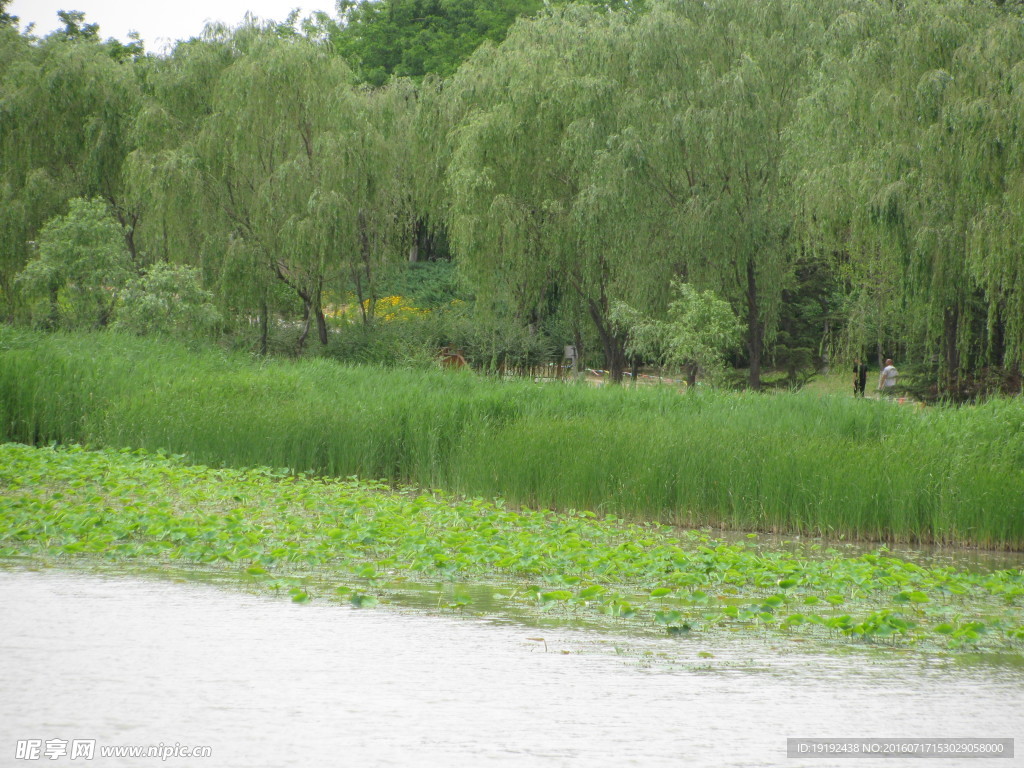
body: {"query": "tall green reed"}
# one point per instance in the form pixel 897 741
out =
pixel 785 462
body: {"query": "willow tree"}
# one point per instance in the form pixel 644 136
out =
pixel 530 193
pixel 906 142
pixel 165 176
pixel 66 107
pixel 290 171
pixel 376 177
pixel 15 229
pixel 994 161
pixel 702 147
pixel 257 157
pixel 840 124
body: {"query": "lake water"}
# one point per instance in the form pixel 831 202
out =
pixel 121 660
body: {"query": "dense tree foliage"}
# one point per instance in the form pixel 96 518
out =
pixel 66 109
pixel 168 300
pixel 81 266
pixel 413 38
pixel 410 38
pixel 6 19
pixel 846 175
pixel 911 144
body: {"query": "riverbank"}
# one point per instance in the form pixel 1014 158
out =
pixel 796 464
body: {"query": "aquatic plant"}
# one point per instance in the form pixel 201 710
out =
pixel 316 538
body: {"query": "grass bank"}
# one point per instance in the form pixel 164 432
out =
pixel 346 540
pixel 795 463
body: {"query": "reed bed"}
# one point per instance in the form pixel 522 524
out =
pixel 792 463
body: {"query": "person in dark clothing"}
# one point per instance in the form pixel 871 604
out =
pixel 860 377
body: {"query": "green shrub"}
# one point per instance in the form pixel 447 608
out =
pixel 168 299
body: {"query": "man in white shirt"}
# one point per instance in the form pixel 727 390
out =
pixel 887 379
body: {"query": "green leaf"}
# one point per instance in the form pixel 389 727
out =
pixel 359 600
pixel 557 594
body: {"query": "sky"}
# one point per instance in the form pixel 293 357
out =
pixel 160 22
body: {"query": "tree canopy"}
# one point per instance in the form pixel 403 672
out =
pixel 845 175
pixel 81 266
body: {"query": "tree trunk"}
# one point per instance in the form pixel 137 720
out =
pixel 614 348
pixel 312 302
pixel 321 321
pixel 824 348
pixel 367 269
pixel 264 326
pixel 951 374
pixel 691 375
pixel 128 222
pixel 414 248
pixel 615 358
pixel 306 316
pixel 129 240
pixel 755 329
